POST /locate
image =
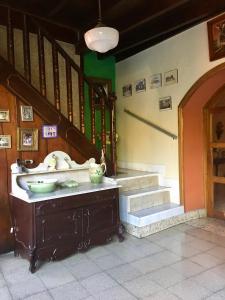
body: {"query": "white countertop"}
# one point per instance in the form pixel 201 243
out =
pixel 82 188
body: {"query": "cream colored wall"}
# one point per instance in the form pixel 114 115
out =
pixel 140 145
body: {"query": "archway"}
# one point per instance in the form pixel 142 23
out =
pixel 192 142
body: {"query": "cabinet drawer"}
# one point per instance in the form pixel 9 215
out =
pixel 72 202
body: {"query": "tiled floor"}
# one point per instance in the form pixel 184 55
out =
pixel 183 262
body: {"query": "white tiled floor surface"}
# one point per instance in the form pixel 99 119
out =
pixel 183 262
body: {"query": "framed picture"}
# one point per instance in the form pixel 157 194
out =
pixel 216 37
pixel 127 90
pixel 171 77
pixel 165 103
pixel 26 113
pixel 5 141
pixel 140 85
pixel 155 81
pixel 49 131
pixel 27 139
pixel 4 115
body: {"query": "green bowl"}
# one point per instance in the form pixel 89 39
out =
pixel 42 186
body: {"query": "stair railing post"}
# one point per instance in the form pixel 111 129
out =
pixel 10 38
pixel 69 92
pixel 26 49
pixel 112 101
pixel 41 57
pixel 103 131
pixel 92 105
pixel 55 65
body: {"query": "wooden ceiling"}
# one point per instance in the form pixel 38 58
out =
pixel 141 23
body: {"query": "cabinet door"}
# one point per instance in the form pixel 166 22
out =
pixel 100 221
pixel 63 227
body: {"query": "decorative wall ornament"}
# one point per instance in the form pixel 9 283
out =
pixel 27 139
pixel 165 103
pixel 171 77
pixel 127 90
pixel 140 85
pixel 49 131
pixel 4 115
pixel 155 81
pixel 5 141
pixel 216 37
pixel 26 113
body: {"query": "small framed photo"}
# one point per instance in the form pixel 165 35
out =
pixel 27 139
pixel 49 131
pixel 165 103
pixel 155 81
pixel 27 113
pixel 171 77
pixel 127 90
pixel 216 37
pixel 4 115
pixel 5 141
pixel 140 85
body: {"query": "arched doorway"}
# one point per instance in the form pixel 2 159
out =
pixel 192 147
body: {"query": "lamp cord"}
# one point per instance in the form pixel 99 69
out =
pixel 99 12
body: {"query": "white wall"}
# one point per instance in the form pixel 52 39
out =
pixel 140 146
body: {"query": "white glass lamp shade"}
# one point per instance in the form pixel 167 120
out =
pixel 101 39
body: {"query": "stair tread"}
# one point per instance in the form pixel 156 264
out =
pixel 154 210
pixel 146 190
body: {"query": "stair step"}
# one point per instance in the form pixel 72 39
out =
pixel 134 182
pixel 145 198
pixel 152 215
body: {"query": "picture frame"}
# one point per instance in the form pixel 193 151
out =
pixel 155 81
pixel 26 113
pixel 5 141
pixel 165 103
pixel 4 115
pixel 140 85
pixel 127 90
pixel 216 37
pixel 27 139
pixel 49 131
pixel 171 77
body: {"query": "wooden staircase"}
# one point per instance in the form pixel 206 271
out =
pixel 71 125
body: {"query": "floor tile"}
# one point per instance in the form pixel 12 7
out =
pixel 217 296
pixel 183 249
pixel 142 286
pixel 201 245
pixel 20 291
pixel 4 294
pixel 218 252
pixel 69 291
pixel 40 296
pixel 206 260
pixel 162 295
pixel 2 281
pixel 84 269
pixel 187 268
pixel 210 280
pixel 108 261
pixel 9 263
pixel 55 275
pixel 115 293
pixel 166 277
pixel 124 273
pixel 98 283
pixel 190 290
pixel 96 252
pixel 19 275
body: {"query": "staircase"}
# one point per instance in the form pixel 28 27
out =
pixel 146 207
pixel 36 68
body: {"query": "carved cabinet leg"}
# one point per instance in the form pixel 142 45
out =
pixel 33 263
pixel 120 232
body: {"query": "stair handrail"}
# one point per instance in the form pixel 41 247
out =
pixel 153 125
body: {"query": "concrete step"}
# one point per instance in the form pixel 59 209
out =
pixel 134 182
pixel 135 200
pixel 152 215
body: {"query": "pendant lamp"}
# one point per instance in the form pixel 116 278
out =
pixel 101 38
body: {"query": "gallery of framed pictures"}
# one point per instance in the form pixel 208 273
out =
pixel 171 77
pixel 216 37
pixel 127 90
pixel 140 85
pixel 49 131
pixel 26 113
pixel 27 139
pixel 4 115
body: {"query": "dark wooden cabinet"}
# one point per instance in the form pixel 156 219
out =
pixel 53 229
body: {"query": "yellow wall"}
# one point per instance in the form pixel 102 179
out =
pixel 139 145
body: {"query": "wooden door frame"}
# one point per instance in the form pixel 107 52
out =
pixel 207 122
